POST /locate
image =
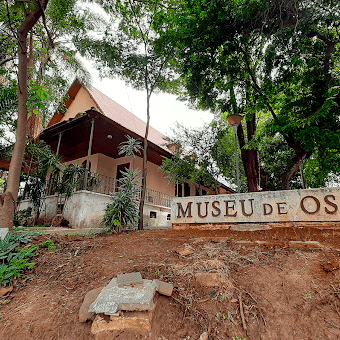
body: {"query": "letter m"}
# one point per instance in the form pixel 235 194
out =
pixel 181 210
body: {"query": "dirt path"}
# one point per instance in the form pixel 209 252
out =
pixel 285 293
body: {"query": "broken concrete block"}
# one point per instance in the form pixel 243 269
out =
pixel 89 298
pixel 164 288
pixel 113 298
pixel 129 321
pixel 3 233
pixel 129 279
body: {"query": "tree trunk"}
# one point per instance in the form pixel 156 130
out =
pixel 249 157
pixel 299 157
pixel 144 170
pixel 8 199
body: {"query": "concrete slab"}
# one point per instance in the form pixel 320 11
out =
pixel 250 227
pixel 89 298
pixel 3 233
pixel 129 279
pixel 113 298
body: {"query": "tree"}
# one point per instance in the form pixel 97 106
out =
pixel 39 38
pixel 133 51
pixel 28 17
pixel 277 59
pixel 52 58
pixel 199 157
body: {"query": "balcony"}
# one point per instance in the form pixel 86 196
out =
pixel 97 183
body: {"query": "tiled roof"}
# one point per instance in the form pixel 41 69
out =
pixel 125 118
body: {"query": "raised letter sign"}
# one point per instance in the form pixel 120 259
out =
pixel 216 208
pixel 331 204
pixel 243 210
pixel 310 212
pixel 283 206
pixel 199 209
pixel 227 207
pixel 181 210
pixel 265 212
pixel 279 207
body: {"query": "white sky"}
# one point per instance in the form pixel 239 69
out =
pixel 165 110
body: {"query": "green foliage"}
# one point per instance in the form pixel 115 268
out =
pixel 130 49
pixel 43 161
pixel 124 206
pixel 53 58
pixel 14 260
pixel 48 244
pixel 65 179
pixel 269 58
pixel 200 156
pixel 21 216
pixel 130 147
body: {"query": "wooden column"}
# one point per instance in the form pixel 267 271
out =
pixel 89 150
pixel 59 140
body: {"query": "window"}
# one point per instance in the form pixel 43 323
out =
pixel 178 191
pixel 153 214
pixel 120 168
pixel 60 208
pixel 186 190
pixel 204 192
pixel 168 217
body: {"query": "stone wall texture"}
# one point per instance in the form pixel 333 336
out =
pixel 311 205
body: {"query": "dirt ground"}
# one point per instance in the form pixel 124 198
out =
pixel 286 293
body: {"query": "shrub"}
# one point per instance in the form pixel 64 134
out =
pixel 124 205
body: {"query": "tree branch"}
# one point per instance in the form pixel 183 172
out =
pixel 50 40
pixel 330 47
pixel 5 60
pixel 256 86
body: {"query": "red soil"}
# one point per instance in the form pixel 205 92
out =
pixel 286 293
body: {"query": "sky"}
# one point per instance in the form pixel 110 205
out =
pixel 165 110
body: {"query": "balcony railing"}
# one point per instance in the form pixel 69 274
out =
pixel 94 182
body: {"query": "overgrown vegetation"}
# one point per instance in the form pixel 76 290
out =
pixel 14 259
pixel 45 166
pixel 123 210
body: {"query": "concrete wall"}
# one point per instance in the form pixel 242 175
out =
pixel 272 206
pixel 85 209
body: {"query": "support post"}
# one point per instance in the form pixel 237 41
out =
pixel 235 127
pixel 59 141
pixel 89 150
